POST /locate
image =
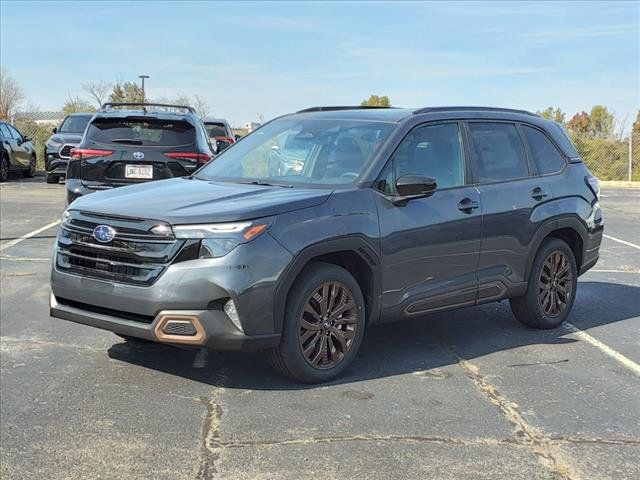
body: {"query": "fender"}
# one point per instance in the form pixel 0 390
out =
pixel 358 244
pixel 569 220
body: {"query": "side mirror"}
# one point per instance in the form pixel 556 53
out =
pixel 414 186
pixel 54 130
pixel 26 139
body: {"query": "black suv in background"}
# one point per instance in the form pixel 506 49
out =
pixel 390 214
pixel 129 143
pixel 16 152
pixel 57 149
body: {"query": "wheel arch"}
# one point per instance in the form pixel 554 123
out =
pixel 571 229
pixel 354 253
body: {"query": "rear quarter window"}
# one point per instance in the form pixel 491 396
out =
pixel 545 154
pixel 151 132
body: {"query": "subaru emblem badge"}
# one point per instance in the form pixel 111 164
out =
pixel 138 155
pixel 104 233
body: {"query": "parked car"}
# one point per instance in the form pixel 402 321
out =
pixel 57 149
pixel 129 143
pixel 219 132
pixel 16 152
pixel 394 214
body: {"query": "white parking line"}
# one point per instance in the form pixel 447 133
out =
pixel 28 235
pixel 624 242
pixel 606 349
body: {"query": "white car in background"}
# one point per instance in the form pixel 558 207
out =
pixel 219 132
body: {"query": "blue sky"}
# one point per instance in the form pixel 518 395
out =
pixel 272 58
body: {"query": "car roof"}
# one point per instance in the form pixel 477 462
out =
pixel 391 114
pixel 214 120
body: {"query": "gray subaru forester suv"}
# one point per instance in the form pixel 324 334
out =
pixel 326 221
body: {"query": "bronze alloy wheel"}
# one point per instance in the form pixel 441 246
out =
pixel 555 284
pixel 328 325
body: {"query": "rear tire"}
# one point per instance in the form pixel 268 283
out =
pixel 551 289
pixel 323 326
pixel 50 178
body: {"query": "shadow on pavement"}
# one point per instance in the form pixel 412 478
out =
pixel 397 348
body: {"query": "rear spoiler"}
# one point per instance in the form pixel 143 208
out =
pixel 112 105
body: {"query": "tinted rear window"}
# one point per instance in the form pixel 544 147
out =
pixel 215 130
pixel 545 155
pixel 75 124
pixel 498 152
pixel 151 132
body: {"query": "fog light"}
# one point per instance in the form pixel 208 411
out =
pixel 232 313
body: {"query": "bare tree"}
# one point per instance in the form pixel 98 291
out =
pixel 202 107
pixel 98 91
pixel 76 104
pixel 11 95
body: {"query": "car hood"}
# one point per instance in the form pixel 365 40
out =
pixel 189 201
pixel 67 137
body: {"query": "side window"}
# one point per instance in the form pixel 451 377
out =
pixel 544 153
pixel 432 151
pixel 14 133
pixel 4 131
pixel 498 152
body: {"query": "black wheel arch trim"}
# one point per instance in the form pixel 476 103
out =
pixel 358 244
pixel 571 221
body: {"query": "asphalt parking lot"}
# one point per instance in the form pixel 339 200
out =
pixel 466 394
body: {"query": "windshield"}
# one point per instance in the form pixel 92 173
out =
pixel 215 130
pixel 141 131
pixel 306 152
pixel 75 124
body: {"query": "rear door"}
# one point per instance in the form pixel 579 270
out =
pixel 430 246
pixel 132 149
pixel 21 155
pixel 510 193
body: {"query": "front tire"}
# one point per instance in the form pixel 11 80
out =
pixel 50 178
pixel 551 289
pixel 323 326
pixel 31 171
pixel 4 168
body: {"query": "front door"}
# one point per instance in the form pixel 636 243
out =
pixel 430 246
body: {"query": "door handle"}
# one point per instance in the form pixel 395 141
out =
pixel 538 194
pixel 467 205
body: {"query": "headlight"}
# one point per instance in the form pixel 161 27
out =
pixel 218 239
pixel 65 217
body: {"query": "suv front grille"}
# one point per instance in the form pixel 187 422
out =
pixel 134 256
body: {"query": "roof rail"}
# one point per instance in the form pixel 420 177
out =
pixel 471 109
pixel 343 107
pixel 144 105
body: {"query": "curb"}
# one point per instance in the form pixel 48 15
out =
pixel 619 184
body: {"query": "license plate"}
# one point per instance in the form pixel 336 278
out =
pixel 138 171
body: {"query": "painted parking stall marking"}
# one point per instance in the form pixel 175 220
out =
pixel 604 348
pixel 35 232
pixel 624 242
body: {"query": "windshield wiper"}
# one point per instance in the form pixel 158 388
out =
pixel 266 184
pixel 130 141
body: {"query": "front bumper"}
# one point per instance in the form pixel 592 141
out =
pixel 196 288
pixel 217 331
pixel 53 162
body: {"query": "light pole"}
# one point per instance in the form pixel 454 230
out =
pixel 142 77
